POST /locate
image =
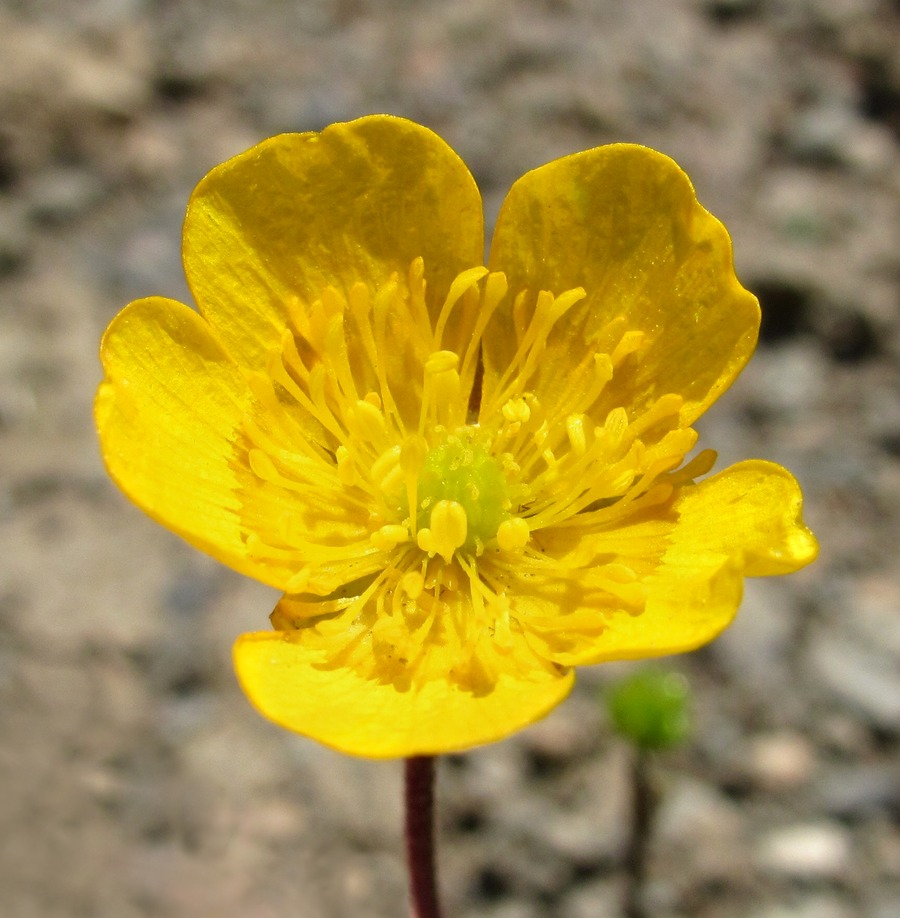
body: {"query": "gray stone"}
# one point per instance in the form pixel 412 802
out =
pixel 864 676
pixel 780 761
pixel 860 791
pixel 806 851
pixel 63 194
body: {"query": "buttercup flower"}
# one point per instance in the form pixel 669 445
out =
pixel 467 480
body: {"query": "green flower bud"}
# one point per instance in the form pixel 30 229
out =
pixel 651 708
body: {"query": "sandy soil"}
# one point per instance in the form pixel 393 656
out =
pixel 136 780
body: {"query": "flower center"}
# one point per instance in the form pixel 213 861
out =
pixel 462 498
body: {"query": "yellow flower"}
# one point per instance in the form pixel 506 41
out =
pixel 466 480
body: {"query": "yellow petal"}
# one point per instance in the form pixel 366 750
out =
pixel 691 559
pixel 622 221
pixel 751 512
pixel 299 212
pixel 285 681
pixel 166 414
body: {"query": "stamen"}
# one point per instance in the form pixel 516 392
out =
pixel 516 411
pixel 628 344
pixel 418 308
pixel 369 423
pixel 335 350
pixel 447 532
pixel 699 465
pixel 412 457
pixel 666 406
pixel 575 430
pixel 386 469
pixel 547 311
pixel 513 534
pixel 440 362
pixel 412 583
pixel 346 469
pixel 441 394
pixel 495 287
pixel 461 283
pixel 360 304
pixel 390 536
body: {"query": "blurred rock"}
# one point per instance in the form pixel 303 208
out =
pixel 890 908
pixel 779 762
pixel 62 194
pixel 595 899
pixel 858 658
pixel 863 675
pixel 757 647
pixel 810 851
pixel 817 906
pixel 703 833
pixel 14 237
pixel 860 791
pixel 571 731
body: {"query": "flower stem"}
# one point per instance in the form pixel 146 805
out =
pixel 419 775
pixel 643 802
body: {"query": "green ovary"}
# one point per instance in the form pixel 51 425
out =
pixel 460 469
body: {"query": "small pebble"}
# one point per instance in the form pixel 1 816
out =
pixel 820 906
pixel 810 851
pixel 781 761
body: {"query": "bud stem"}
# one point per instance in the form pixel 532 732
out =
pixel 419 794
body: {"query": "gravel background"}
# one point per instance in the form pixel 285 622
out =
pixel 135 779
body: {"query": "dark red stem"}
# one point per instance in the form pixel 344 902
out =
pixel 419 774
pixel 643 809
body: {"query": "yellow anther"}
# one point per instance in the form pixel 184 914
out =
pixel 373 398
pixel 416 270
pixel 332 301
pixel 412 583
pixel 443 385
pixel 335 340
pixel 385 300
pixel 495 288
pixel 369 421
pixel 502 634
pixel 619 573
pixel 615 425
pixel 461 283
pixel 565 301
pixel 389 536
pixel 446 392
pixel 511 468
pixel 666 406
pixel 425 541
pixel 299 582
pixel 516 410
pixel 699 465
pixel 628 344
pixel 412 454
pixel 603 366
pixel 386 466
pixel 575 430
pixel 359 298
pixel 441 362
pixel 262 466
pixel 447 532
pixel 345 467
pixel 513 534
